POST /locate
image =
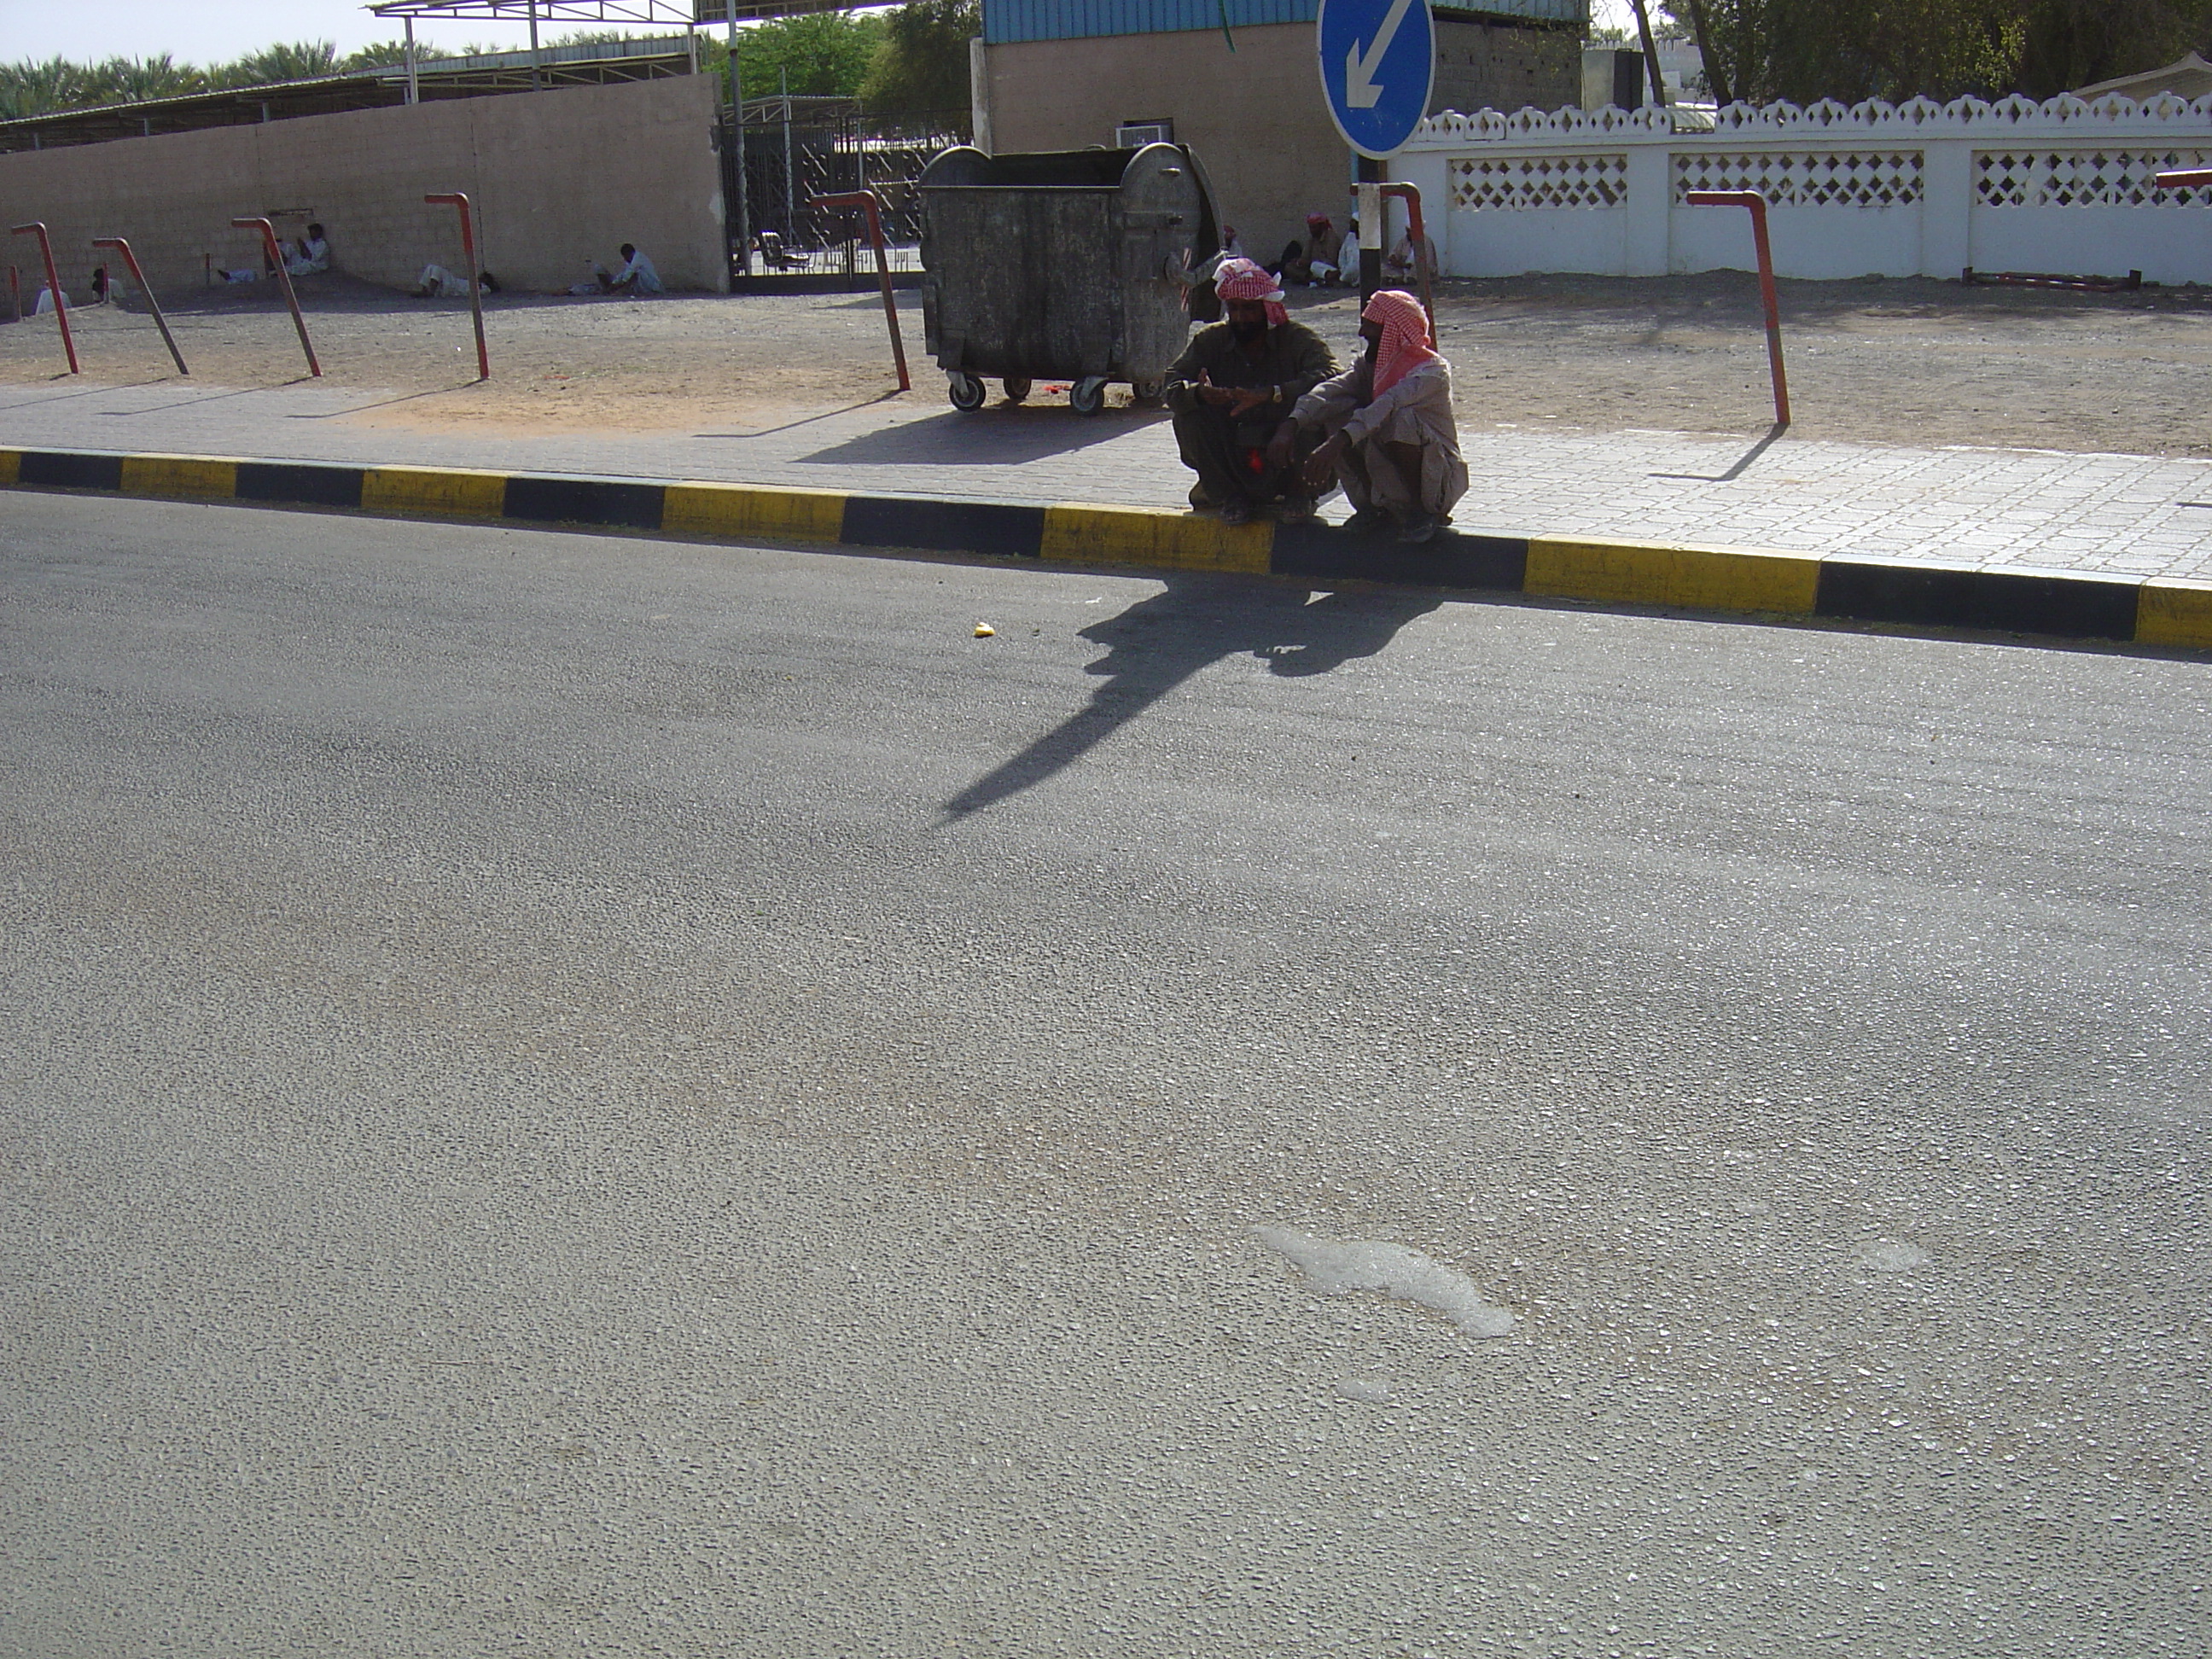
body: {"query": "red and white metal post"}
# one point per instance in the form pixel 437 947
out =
pixel 283 276
pixel 152 305
pixel 1757 204
pixel 865 200
pixel 53 286
pixel 1418 236
pixel 456 199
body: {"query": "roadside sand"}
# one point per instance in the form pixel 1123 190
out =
pixel 1916 362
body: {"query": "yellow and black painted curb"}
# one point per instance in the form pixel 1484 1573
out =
pixel 1836 587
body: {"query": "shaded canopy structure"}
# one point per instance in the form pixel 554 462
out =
pixel 598 63
pixel 653 14
pixel 687 15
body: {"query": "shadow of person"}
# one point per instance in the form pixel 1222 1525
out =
pixel 1193 622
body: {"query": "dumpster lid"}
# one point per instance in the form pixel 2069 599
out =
pixel 1064 169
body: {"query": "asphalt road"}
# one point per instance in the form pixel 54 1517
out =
pixel 570 1095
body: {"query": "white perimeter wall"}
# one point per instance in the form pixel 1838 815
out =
pixel 1920 188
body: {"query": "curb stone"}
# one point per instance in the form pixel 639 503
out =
pixel 1838 589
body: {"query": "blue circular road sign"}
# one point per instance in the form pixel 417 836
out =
pixel 1378 59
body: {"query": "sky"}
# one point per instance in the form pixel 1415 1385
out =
pixel 214 30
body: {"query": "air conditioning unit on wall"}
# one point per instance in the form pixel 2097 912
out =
pixel 1131 135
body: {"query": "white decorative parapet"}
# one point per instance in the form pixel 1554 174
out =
pixel 1915 189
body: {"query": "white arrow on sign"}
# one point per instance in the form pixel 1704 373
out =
pixel 1360 91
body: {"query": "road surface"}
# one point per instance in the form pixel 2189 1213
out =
pixel 570 1095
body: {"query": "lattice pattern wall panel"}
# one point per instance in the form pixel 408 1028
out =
pixel 1540 181
pixel 2082 177
pixel 1857 179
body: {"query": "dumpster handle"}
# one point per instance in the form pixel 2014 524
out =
pixel 866 200
pixel 1411 196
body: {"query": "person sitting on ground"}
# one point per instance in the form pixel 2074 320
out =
pixel 436 283
pixel 1230 390
pixel 1392 441
pixel 1296 265
pixel 637 275
pixel 100 290
pixel 310 254
pixel 1410 259
pixel 1231 246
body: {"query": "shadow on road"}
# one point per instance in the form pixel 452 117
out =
pixel 1002 434
pixel 1159 642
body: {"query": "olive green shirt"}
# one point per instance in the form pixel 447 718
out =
pixel 1294 361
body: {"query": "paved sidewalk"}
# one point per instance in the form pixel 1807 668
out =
pixel 2111 516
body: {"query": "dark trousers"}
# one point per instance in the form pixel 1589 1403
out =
pixel 1228 465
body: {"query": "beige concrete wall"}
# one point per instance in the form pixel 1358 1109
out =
pixel 1255 117
pixel 558 177
pixel 1506 66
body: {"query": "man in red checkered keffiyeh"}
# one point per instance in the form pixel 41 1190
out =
pixel 1392 441
pixel 1243 279
pixel 1232 391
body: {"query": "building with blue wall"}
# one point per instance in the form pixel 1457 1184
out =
pixel 1069 73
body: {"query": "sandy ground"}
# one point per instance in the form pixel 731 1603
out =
pixel 1912 362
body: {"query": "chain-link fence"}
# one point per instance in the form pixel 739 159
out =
pixel 794 149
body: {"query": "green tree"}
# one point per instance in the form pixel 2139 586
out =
pixel 2076 43
pixel 302 60
pixel 922 65
pixel 33 89
pixel 1757 51
pixel 382 54
pixel 824 54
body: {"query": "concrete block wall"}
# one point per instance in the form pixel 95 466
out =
pixel 1255 117
pixel 1505 66
pixel 559 178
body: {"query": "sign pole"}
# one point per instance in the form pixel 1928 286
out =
pixel 1378 65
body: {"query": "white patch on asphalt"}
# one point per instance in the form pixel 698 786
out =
pixel 1885 1256
pixel 1340 1266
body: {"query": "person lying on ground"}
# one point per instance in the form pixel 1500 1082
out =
pixel 310 254
pixel 637 275
pixel 436 283
pixel 1391 439
pixel 1230 390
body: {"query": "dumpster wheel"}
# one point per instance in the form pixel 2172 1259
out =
pixel 1088 396
pixel 1149 391
pixel 1017 388
pixel 965 390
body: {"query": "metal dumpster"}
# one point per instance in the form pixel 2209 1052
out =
pixel 1067 265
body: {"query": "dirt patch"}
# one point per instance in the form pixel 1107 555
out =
pixel 1912 362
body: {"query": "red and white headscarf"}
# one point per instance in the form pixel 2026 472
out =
pixel 1244 279
pixel 1405 344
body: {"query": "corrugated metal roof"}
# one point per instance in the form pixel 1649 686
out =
pixel 1069 20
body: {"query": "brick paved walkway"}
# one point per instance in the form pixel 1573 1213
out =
pixel 1971 508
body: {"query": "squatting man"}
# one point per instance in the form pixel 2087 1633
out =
pixel 1264 417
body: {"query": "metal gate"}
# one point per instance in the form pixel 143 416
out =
pixel 794 149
